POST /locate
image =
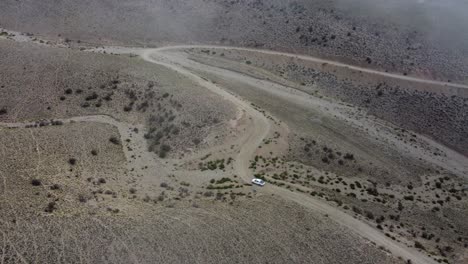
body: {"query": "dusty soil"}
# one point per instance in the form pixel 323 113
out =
pixel 340 129
pixel 421 38
pixel 164 167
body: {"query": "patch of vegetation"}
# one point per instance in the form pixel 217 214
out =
pixel 349 156
pixel 223 187
pixel 51 207
pixel 418 245
pixel 114 140
pixel 212 165
pixel 163 150
pixel 3 111
pixel 224 180
pixel 92 96
pixel 36 182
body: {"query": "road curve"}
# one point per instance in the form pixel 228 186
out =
pixel 253 138
pixel 260 129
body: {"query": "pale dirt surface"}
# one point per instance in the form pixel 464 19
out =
pixel 256 136
pixel 454 161
pixel 436 111
pixel 318 60
pixel 248 130
pixel 260 130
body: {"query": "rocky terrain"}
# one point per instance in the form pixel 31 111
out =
pixel 114 152
pixel 420 38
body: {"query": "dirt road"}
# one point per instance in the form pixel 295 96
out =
pixel 254 137
pixel 259 130
pixel 318 60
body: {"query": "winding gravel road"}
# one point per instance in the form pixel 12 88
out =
pixel 254 137
pixel 259 131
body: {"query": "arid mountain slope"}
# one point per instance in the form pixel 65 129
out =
pixel 423 38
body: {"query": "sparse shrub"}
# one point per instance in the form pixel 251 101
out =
pixel 82 198
pixel 57 123
pixel 372 191
pixel 338 202
pixel 101 181
pixel 94 152
pixel 208 194
pixel 417 244
pixel 92 96
pixel 36 182
pixel 357 210
pixel 113 210
pixel 164 185
pixel 114 140
pixel 380 219
pixel 185 183
pixel 162 154
pixel 369 215
pixel 108 97
pixel 400 206
pixel 55 187
pixel 68 91
pixel 349 156
pixel 72 161
pixel 133 190
pixel 161 197
pixel 50 207
pixel 163 150
pixel 409 197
